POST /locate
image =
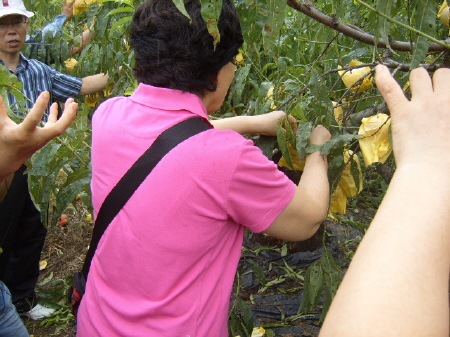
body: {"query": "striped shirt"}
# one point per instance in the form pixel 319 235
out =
pixel 37 77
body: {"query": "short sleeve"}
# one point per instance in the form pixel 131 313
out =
pixel 258 191
pixel 65 86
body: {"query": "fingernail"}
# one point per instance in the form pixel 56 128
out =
pixel 380 68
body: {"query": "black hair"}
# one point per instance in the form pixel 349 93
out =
pixel 173 52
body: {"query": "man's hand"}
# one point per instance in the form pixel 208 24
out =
pixel 19 141
pixel 67 9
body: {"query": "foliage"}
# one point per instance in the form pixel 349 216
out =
pixel 321 276
pixel 290 60
pixel 54 293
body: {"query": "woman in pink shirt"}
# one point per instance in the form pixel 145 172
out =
pixel 166 264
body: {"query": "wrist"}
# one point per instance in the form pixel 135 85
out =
pixel 316 158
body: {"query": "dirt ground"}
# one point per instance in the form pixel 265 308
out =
pixel 66 247
pixel 63 253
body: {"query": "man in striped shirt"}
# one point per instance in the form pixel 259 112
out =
pixel 18 214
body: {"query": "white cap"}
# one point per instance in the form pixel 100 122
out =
pixel 9 7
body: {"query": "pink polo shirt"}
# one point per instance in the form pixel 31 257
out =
pixel 166 264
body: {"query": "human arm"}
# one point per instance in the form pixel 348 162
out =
pixel 67 9
pixel 397 282
pixel 265 124
pixel 94 83
pixel 82 41
pixel 19 141
pixel 58 22
pixel 303 215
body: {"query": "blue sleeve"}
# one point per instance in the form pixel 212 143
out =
pixel 65 86
pixel 52 29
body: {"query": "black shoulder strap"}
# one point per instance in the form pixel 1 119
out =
pixel 129 183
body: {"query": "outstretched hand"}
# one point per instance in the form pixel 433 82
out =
pixel 268 123
pixel 420 126
pixel 67 9
pixel 19 141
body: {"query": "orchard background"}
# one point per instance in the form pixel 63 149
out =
pixel 312 59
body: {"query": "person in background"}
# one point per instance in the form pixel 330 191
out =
pixel 17 144
pixel 20 270
pixel 166 264
pixel 39 44
pixel 398 281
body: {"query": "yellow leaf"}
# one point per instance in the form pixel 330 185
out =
pixel 338 203
pixel 346 186
pixel 444 14
pixel 406 86
pixel 42 264
pixel 347 181
pixel 295 158
pixel 338 113
pixel 239 60
pixel 70 64
pixel 352 76
pixel 81 6
pixel 88 218
pixel 375 145
pixel 107 91
pixel 91 100
pixel 258 332
pixel 269 97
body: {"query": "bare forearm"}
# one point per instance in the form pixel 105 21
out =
pixel 241 124
pixel 404 257
pixel 94 83
pixel 265 124
pixel 84 39
pixel 314 188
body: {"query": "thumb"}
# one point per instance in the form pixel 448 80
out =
pixel 389 89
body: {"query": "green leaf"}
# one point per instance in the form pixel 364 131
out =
pixel 127 2
pixel 303 133
pixel 76 182
pixel 332 279
pixel 258 271
pixel 11 83
pixel 210 13
pixel 316 284
pixel 355 171
pixel 337 141
pixel 239 84
pixel 180 5
pixel 321 105
pixel 305 304
pixel 425 21
pixel 282 144
pixel 241 319
pixel 120 23
pixel 266 144
pixel 273 22
pixel 121 10
pixel 384 26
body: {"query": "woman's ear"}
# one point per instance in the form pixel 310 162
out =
pixel 215 78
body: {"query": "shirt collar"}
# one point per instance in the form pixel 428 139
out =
pixel 168 99
pixel 23 63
